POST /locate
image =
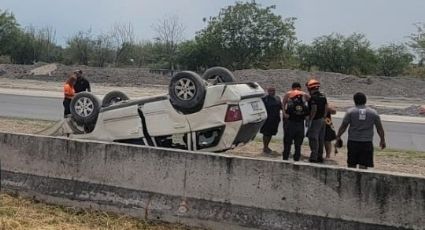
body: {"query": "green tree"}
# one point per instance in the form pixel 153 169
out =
pixel 143 53
pixel 9 31
pixel 305 57
pixel 103 52
pixel 44 46
pixel 393 60
pixel 191 56
pixel 417 42
pixel 247 35
pixel 79 48
pixel 22 51
pixel 336 53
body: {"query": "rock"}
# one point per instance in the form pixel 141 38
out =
pixel 44 70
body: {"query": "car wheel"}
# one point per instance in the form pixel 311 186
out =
pixel 85 108
pixel 113 97
pixel 217 75
pixel 187 92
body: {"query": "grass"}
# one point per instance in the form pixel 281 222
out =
pixel 400 153
pixel 378 152
pixel 22 125
pixel 18 213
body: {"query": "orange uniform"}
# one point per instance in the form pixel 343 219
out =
pixel 69 91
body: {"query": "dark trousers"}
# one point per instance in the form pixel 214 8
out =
pixel 359 153
pixel 293 133
pixel 67 106
pixel 316 139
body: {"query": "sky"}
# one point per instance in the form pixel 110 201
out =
pixel 382 21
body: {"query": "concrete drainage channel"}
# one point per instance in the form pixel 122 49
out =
pixel 210 190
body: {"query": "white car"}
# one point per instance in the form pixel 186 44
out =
pixel 208 113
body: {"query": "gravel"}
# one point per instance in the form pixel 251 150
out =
pixel 332 83
pixel 336 84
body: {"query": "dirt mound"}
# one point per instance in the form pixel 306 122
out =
pixel 333 84
pixel 111 76
pixel 44 70
pixel 338 84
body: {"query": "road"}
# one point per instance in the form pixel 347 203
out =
pixel 400 135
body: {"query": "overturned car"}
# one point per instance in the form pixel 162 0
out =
pixel 208 113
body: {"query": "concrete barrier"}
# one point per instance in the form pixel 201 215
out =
pixel 212 190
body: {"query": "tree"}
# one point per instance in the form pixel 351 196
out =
pixel 22 49
pixel 9 31
pixel 169 32
pixel 123 39
pixel 305 56
pixel 393 60
pixel 247 35
pixel 190 56
pixel 143 53
pixel 44 46
pixel 80 47
pixel 417 42
pixel 103 51
pixel 336 53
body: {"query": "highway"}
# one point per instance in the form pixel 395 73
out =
pixel 400 135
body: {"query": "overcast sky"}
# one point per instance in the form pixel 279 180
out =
pixel 383 21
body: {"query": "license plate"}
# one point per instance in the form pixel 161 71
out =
pixel 255 106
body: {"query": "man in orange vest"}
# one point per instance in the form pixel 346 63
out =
pixel 69 92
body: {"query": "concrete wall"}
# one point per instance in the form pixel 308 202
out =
pixel 212 190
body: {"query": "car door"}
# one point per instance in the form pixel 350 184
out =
pixel 165 126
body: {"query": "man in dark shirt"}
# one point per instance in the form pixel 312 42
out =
pixel 318 106
pixel 295 110
pixel 82 84
pixel 273 107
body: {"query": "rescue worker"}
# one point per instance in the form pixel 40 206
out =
pixel 318 106
pixel 293 120
pixel 273 106
pixel 69 92
pixel 361 119
pixel 295 109
pixel 82 84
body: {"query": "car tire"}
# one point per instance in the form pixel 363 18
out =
pixel 187 92
pixel 218 74
pixel 113 97
pixel 85 108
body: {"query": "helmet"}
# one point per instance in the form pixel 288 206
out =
pixel 313 84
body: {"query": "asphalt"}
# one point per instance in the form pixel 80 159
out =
pixel 399 135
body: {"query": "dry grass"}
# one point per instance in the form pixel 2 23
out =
pixel 386 160
pixel 17 125
pixel 18 213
